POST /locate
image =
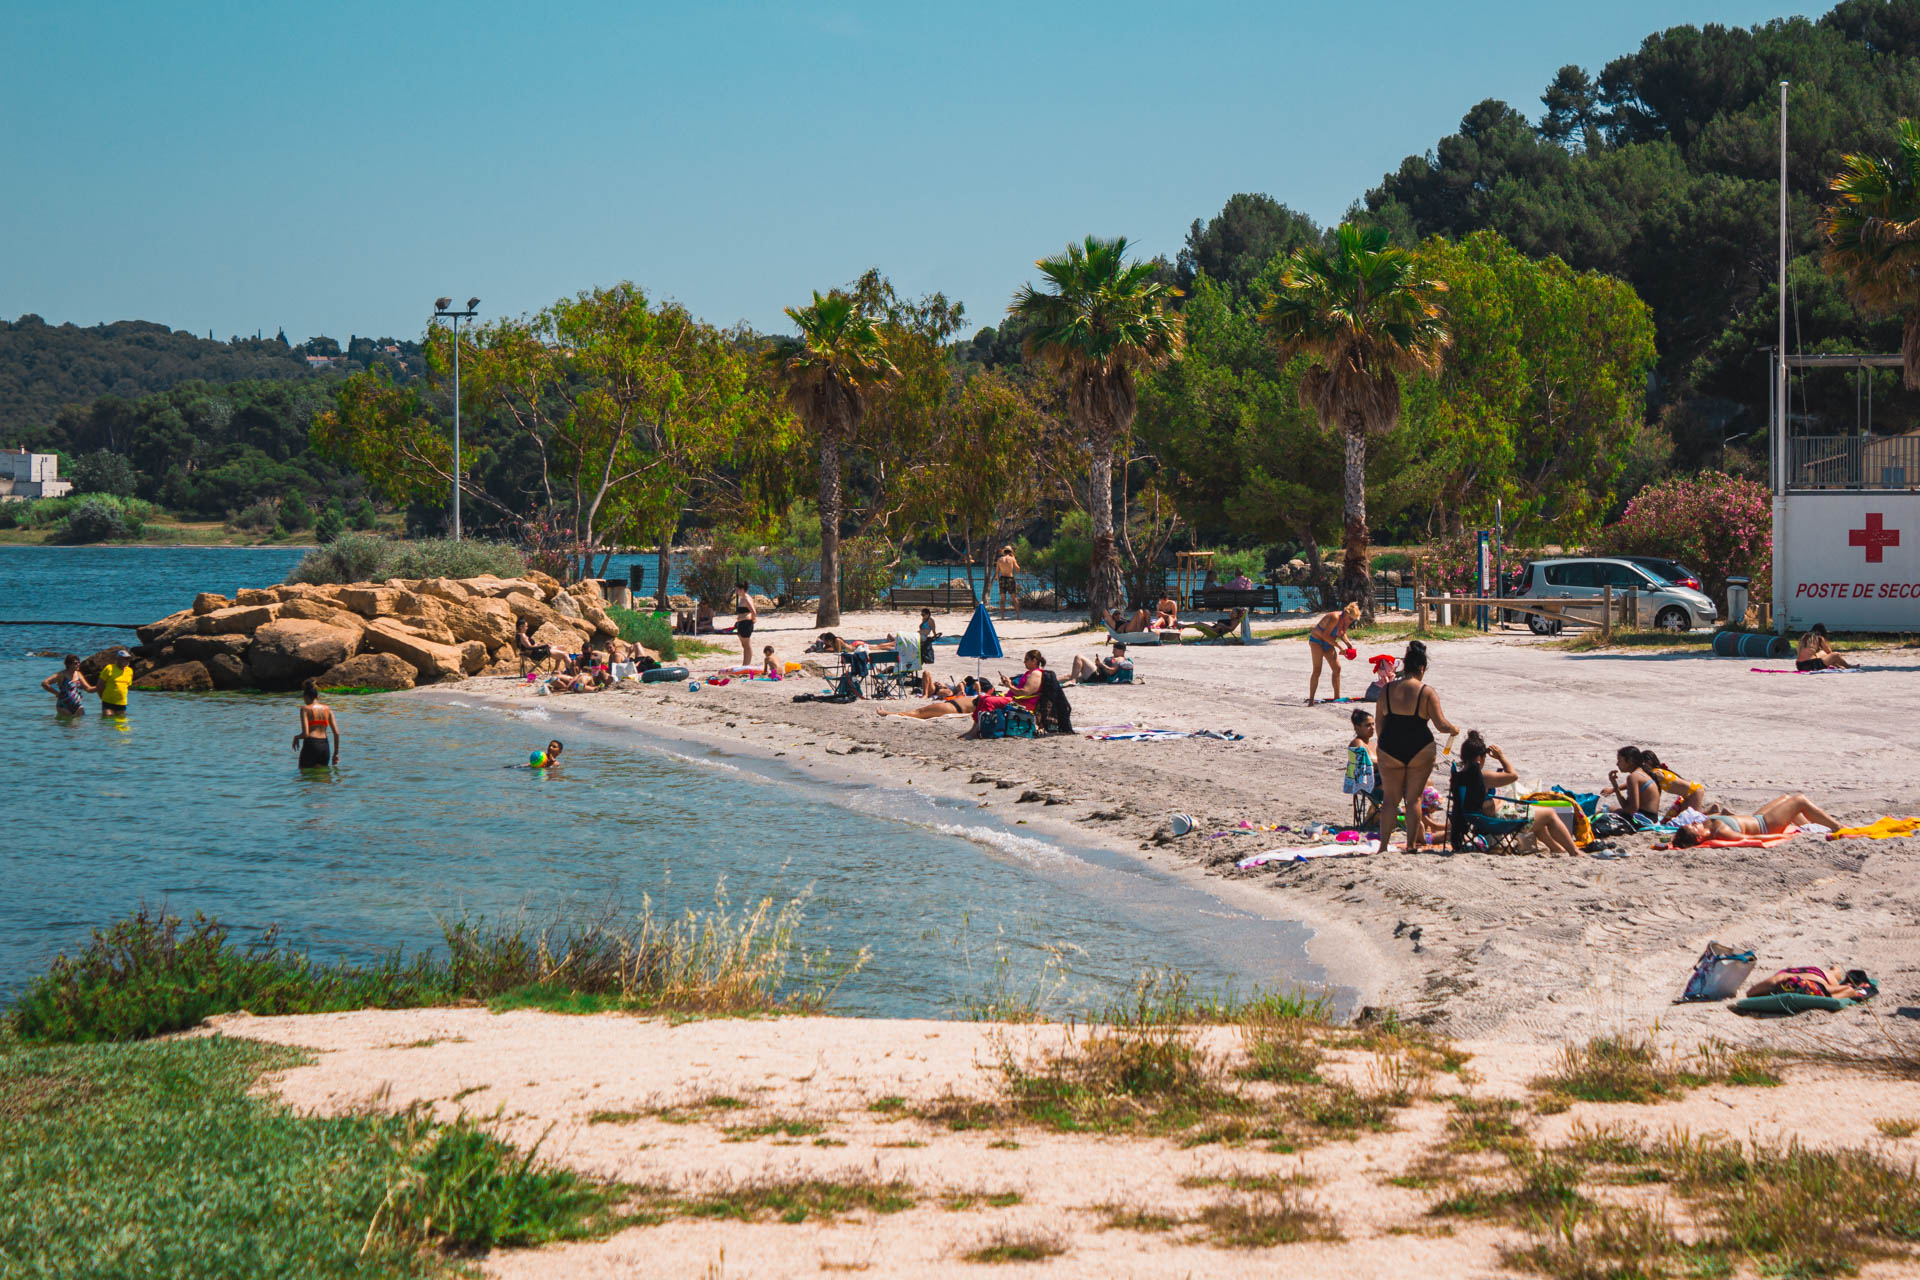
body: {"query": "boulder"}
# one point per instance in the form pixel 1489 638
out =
pixel 505 656
pixel 368 601
pixel 444 588
pixel 430 660
pixel 427 629
pixel 490 622
pixel 90 666
pixel 566 606
pixel 680 602
pixel 257 595
pixel 238 618
pixel 181 677
pixel 1394 579
pixel 202 648
pixel 228 672
pixel 154 631
pixel 208 601
pixel 588 589
pixel 369 671
pixel 320 609
pixel 560 637
pixel 548 584
pixel 290 650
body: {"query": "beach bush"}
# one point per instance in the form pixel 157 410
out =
pixel 157 1160
pixel 1715 523
pixel 258 517
pixel 330 523
pixel 101 517
pixel 104 471
pixel 643 628
pixel 355 556
pixel 146 974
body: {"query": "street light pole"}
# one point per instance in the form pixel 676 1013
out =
pixel 442 309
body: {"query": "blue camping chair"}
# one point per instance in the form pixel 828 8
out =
pixel 1501 835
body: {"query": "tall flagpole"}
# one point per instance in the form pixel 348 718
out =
pixel 1781 453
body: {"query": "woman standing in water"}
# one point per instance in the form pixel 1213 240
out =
pixel 66 685
pixel 316 721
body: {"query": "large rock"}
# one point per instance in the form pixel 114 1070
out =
pixel 491 622
pixel 240 618
pixel 256 595
pixel 228 672
pixel 320 609
pixel 548 584
pixel 201 648
pixel 290 650
pixel 560 637
pixel 208 601
pixel 566 606
pixel 589 588
pixel 430 660
pixel 155 632
pixel 369 671
pixel 443 588
pixel 181 677
pixel 427 628
pixel 368 601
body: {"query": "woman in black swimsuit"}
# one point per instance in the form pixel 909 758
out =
pixel 745 614
pixel 1406 749
pixel 316 721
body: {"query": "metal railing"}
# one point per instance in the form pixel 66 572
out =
pixel 1853 462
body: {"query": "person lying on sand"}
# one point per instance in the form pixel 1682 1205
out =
pixel 1101 670
pixel 1140 621
pixel 953 703
pixel 1770 818
pixel 1816 651
pixel 1811 981
pixel 1478 784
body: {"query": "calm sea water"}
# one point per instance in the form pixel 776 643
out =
pixel 195 801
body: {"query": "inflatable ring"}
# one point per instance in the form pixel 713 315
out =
pixel 659 674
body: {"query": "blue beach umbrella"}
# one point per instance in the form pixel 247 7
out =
pixel 981 640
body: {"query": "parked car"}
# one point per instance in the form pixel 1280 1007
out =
pixel 1674 607
pixel 1670 570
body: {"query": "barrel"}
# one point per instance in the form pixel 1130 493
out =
pixel 1750 644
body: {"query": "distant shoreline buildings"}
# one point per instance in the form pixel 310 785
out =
pixel 24 476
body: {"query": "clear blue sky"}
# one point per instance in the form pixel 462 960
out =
pixel 334 168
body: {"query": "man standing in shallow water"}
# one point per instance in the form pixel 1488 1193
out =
pixel 115 679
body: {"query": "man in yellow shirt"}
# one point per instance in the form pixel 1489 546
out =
pixel 115 678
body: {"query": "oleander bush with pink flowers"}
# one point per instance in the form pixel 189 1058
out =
pixel 1717 524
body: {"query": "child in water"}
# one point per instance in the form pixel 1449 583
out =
pixel 548 759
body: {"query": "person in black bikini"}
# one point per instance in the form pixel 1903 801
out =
pixel 316 721
pixel 1406 750
pixel 745 614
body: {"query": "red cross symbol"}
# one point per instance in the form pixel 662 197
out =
pixel 1874 538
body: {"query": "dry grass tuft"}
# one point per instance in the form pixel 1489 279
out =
pixel 1017 1244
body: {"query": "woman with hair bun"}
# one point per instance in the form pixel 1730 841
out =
pixel 1406 749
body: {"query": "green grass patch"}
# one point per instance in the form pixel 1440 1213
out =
pixel 795 1200
pixel 961 1201
pixel 1630 1067
pixel 154 1160
pixel 1017 1244
pixel 149 974
pixel 892 1104
pixel 1263 1221
pixel 782 1126
pixel 1134 1218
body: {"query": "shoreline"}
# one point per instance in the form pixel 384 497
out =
pixel 1349 963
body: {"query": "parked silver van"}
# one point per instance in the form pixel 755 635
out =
pixel 1668 607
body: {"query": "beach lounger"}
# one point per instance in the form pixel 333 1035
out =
pixel 1132 639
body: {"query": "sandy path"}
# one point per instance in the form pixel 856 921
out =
pixel 591 1091
pixel 1524 948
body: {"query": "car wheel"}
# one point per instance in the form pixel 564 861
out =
pixel 1542 626
pixel 1673 618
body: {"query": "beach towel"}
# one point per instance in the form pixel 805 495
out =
pixel 1308 852
pixel 1165 735
pixel 1745 842
pixel 1879 829
pixel 1794 671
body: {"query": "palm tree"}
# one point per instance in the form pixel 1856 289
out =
pixel 1366 315
pixel 1873 238
pixel 831 368
pixel 1103 320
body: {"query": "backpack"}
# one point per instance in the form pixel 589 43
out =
pixel 1007 722
pixel 1718 973
pixel 1609 823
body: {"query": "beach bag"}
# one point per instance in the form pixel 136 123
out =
pixel 1588 801
pixel 1718 973
pixel 1610 823
pixel 1007 722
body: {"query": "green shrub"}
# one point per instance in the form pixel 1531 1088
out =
pixel 364 557
pixel 364 516
pixel 479 1193
pixel 48 512
pixel 294 513
pixel 103 471
pixel 101 517
pixel 1068 560
pixel 259 517
pixel 1251 561
pixel 330 524
pixel 644 628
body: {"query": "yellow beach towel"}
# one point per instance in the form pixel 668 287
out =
pixel 1883 829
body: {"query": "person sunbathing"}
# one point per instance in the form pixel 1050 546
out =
pixel 1770 818
pixel 1816 651
pixel 1812 981
pixel 1139 622
pixel 1686 795
pixel 1223 628
pixel 1478 783
pixel 1098 670
pixel 953 703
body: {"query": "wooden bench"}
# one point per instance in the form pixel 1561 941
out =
pixel 1252 599
pixel 944 598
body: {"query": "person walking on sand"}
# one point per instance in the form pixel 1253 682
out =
pixel 1325 641
pixel 115 679
pixel 1007 569
pixel 66 685
pixel 316 722
pixel 745 614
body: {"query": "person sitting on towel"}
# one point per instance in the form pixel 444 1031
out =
pixel 1098 670
pixel 1770 818
pixel 1816 651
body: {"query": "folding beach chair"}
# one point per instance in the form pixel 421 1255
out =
pixel 1500 835
pixel 1134 639
pixel 901 676
pixel 1362 782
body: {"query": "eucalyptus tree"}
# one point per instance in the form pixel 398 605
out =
pixel 1365 313
pixel 1101 321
